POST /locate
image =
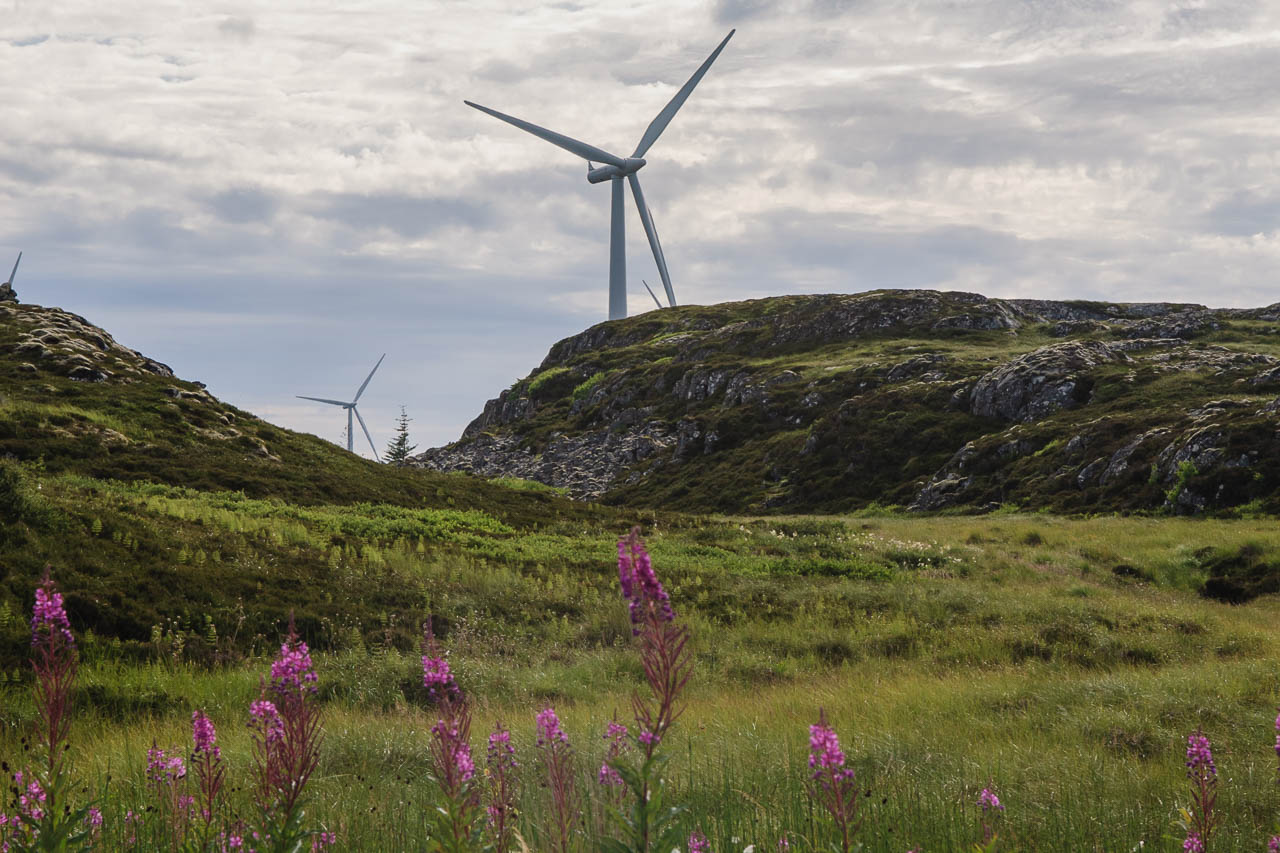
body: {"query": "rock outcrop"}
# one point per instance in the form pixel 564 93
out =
pixel 917 398
pixel 1035 385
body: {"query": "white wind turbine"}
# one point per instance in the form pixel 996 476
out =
pixel 615 169
pixel 351 410
pixel 14 274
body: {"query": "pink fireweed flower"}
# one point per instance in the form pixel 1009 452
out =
pixel 616 735
pixel 825 753
pixel 558 762
pixel 640 585
pixel 457 750
pixel 266 718
pixel 1203 775
pixel 163 769
pixel 203 735
pixel 698 843
pixel 501 775
pixel 438 679
pixel 48 618
pixel 323 841
pixel 989 801
pixel 1200 756
pixel 292 672
pixel 549 730
pixel 831 784
pixel 784 844
pixel 1273 846
pixel 501 753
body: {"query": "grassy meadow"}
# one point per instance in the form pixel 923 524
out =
pixel 1060 661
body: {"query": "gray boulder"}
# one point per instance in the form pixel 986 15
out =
pixel 1039 383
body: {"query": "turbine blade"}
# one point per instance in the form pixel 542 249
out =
pixel 651 293
pixel 366 380
pixel 322 400
pixel 568 143
pixel 15 268
pixel 652 234
pixel 663 118
pixel 366 434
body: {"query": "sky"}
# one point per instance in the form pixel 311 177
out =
pixel 269 196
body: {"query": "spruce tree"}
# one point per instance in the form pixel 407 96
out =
pixel 399 448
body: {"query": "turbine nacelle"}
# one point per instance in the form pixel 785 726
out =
pixel 630 166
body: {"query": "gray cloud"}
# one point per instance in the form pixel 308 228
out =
pixel 407 216
pixel 244 205
pixel 237 28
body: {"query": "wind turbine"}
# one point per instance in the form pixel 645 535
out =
pixel 615 169
pixel 12 275
pixel 351 410
pixel 15 270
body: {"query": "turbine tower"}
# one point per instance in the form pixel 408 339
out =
pixel 352 410
pixel 14 274
pixel 615 169
pixel 6 290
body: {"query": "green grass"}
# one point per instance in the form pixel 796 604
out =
pixel 949 653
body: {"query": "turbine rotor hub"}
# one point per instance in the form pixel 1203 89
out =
pixel 629 166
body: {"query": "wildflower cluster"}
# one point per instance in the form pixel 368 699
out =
pixel 501 763
pixel 615 735
pixel 453 767
pixel 1200 820
pixel 641 588
pixel 284 723
pixel 557 758
pixel 831 783
pixel 991 810
pixel 206 758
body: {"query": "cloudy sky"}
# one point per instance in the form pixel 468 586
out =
pixel 268 196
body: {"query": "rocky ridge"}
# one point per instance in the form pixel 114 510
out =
pixel 924 399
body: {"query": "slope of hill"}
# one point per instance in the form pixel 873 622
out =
pixel 922 399
pixel 165 511
pixel 75 398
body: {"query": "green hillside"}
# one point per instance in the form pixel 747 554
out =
pixel 921 399
pixel 163 508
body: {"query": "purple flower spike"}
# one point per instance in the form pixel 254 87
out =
pixel 1193 844
pixel 989 801
pixel 549 730
pixel 292 672
pixel 640 586
pixel 1273 846
pixel 48 618
pixel 825 754
pixel 616 735
pixel 1199 755
pixel 698 843
pixel 203 735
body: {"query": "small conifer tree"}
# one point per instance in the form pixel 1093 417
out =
pixel 399 448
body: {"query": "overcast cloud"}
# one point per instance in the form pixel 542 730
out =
pixel 270 195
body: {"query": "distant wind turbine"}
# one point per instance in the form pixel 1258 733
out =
pixel 351 410
pixel 615 169
pixel 14 274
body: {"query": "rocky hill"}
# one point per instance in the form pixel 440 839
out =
pixel 73 400
pixel 922 399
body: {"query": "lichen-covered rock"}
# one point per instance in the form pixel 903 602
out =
pixel 1039 383
pixel 587 465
